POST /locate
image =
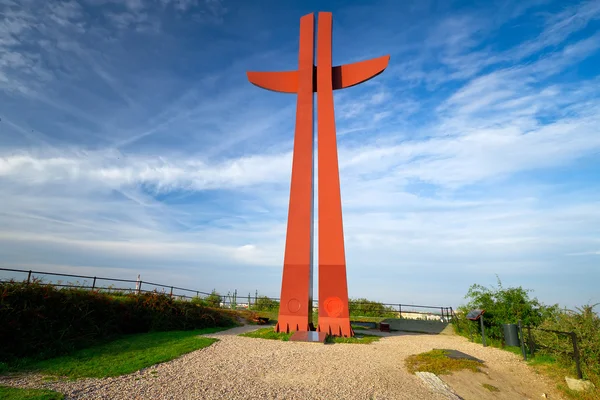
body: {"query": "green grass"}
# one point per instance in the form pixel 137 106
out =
pixel 9 393
pixel 437 362
pixel 359 328
pixel 552 367
pixel 268 333
pixel 357 339
pixel 122 356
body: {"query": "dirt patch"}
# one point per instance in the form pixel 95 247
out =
pixel 494 383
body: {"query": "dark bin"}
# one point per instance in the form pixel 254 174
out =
pixel 511 334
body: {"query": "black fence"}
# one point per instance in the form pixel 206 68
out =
pixel 232 300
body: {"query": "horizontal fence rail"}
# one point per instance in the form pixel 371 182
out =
pixel 231 300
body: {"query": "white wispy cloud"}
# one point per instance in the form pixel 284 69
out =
pixel 143 169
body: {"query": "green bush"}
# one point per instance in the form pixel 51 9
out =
pixel 502 306
pixel 213 299
pixel 263 303
pixel 368 308
pixel 43 321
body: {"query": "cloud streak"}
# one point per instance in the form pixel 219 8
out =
pixel 471 155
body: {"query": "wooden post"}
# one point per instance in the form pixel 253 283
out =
pixel 29 277
pixel 530 341
pixel 94 284
pixel 576 355
pixel 482 331
pixel 522 341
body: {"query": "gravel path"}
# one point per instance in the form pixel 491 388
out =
pixel 246 368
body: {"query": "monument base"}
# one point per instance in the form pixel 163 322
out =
pixel 335 326
pixel 316 337
pixel 292 323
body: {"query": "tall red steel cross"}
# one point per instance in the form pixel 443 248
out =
pixel 295 310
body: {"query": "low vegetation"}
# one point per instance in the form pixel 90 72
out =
pixel 10 393
pixel 358 338
pixel 368 308
pixel 269 333
pixel 53 321
pixel 119 357
pixel 263 303
pixel 437 362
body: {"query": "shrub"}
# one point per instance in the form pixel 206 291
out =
pixel 263 303
pixel 199 301
pixel 503 306
pixel 368 308
pixel 42 320
pixel 586 325
pixel 213 299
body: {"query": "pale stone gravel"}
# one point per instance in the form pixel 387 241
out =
pixel 246 368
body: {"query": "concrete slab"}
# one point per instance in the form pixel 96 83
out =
pixel 313 336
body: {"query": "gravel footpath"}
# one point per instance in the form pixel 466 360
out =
pixel 247 368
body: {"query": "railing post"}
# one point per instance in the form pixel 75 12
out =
pixel 530 340
pixel 522 340
pixel 442 314
pixel 139 288
pixel 29 277
pixel 171 294
pixel 576 355
pixel 482 331
pixel 94 284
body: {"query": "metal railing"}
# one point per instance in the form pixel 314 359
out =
pixel 231 300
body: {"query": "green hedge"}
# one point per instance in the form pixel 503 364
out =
pixel 43 321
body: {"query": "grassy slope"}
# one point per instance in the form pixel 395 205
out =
pixel 122 356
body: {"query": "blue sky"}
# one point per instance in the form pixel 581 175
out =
pixel 131 142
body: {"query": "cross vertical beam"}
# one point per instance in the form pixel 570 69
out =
pixel 333 289
pixel 295 307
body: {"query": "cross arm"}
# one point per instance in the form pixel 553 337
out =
pixel 343 76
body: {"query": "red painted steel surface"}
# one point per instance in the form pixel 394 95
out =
pixel 296 289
